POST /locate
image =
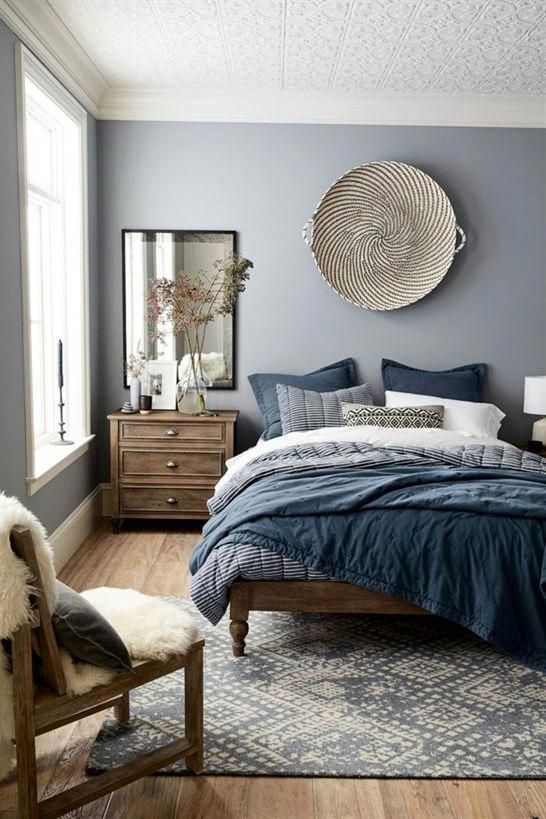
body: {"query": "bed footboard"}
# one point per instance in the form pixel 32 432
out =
pixel 313 596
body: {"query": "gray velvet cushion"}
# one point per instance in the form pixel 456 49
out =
pixel 302 410
pixel 82 631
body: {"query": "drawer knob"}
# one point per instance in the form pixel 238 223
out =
pixel 172 432
pixel 171 464
pixel 172 500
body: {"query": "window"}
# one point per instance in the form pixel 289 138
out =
pixel 53 173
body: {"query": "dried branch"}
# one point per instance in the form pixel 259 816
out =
pixel 189 303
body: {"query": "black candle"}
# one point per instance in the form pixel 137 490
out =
pixel 60 364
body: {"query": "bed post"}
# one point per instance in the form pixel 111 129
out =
pixel 238 614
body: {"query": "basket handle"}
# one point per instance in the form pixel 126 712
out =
pixel 462 243
pixel 307 232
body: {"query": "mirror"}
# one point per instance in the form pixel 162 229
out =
pixel 153 254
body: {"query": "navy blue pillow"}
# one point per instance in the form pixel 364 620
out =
pixel 337 376
pixel 461 383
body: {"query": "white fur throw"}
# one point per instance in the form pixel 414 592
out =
pixel 150 627
pixel 15 610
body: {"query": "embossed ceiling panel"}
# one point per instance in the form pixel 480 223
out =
pixel 314 33
pixel 253 32
pixel 374 35
pixel 355 46
pixel 192 37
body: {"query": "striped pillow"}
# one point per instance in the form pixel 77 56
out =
pixel 302 410
pixel 428 417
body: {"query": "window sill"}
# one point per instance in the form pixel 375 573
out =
pixel 52 460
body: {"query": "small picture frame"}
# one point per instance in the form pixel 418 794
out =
pixel 161 377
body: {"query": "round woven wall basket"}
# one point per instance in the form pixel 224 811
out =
pixel 384 235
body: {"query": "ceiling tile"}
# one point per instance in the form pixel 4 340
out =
pixel 374 32
pixel 253 31
pixel 191 37
pixel 313 39
pixel 121 38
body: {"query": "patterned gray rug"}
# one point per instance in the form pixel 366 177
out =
pixel 348 696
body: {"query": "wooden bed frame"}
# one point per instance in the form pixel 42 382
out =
pixel 315 596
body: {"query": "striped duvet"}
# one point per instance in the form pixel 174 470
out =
pixel 210 586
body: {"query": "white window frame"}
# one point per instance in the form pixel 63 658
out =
pixel 60 457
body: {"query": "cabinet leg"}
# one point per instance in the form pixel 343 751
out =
pixel 117 523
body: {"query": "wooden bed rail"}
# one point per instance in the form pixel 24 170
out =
pixel 312 596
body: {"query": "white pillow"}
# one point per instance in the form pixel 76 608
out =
pixel 481 420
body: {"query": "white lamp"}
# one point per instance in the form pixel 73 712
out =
pixel 535 404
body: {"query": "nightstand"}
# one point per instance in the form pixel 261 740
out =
pixel 165 465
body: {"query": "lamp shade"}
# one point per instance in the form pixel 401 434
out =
pixel 535 395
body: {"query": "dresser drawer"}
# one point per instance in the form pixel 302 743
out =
pixel 173 500
pixel 186 431
pixel 191 463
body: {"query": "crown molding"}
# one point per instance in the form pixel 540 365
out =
pixel 39 28
pixel 509 111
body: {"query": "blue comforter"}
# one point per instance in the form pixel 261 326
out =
pixel 464 542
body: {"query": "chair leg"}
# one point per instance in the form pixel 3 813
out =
pixel 24 724
pixel 193 700
pixel 122 711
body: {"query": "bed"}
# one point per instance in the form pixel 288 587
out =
pixel 390 521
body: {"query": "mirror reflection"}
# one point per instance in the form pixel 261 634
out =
pixel 149 255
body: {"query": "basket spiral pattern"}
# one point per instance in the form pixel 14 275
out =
pixel 384 235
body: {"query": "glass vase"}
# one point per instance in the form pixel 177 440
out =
pixel 135 387
pixel 191 395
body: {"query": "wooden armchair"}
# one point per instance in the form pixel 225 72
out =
pixel 45 706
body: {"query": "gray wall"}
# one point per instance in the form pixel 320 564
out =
pixel 265 180
pixel 55 501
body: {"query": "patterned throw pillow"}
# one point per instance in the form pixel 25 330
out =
pixel 302 410
pixel 359 415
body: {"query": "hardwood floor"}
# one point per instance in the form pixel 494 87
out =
pixel 154 560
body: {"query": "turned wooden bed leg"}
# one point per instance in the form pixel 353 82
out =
pixel 238 630
pixel 238 614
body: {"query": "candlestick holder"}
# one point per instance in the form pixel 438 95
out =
pixel 62 424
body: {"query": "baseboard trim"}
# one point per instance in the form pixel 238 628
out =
pixel 69 536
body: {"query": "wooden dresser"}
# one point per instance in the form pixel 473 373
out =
pixel 165 464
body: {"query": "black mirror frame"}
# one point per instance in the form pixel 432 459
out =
pixel 233 233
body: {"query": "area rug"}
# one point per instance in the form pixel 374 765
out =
pixel 348 696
